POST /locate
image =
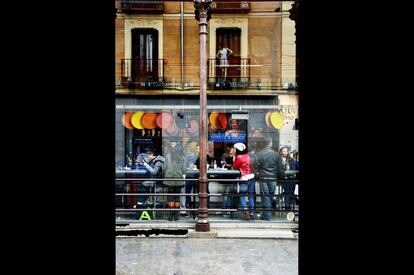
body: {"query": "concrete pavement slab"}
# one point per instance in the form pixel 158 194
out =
pixel 206 256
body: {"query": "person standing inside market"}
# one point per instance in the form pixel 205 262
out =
pixel 226 163
pixel 241 161
pixel 266 171
pixel 175 168
pixel 285 163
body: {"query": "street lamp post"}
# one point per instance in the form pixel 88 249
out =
pixel 202 8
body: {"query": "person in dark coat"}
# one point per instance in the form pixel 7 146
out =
pixel 175 167
pixel 285 163
pixel 265 166
pixel 229 187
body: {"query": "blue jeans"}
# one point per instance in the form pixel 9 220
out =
pixel 192 186
pixel 249 189
pixel 289 192
pixel 267 191
pixel 143 189
pixel 228 200
pixel 189 187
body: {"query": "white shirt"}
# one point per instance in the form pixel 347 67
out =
pixel 223 53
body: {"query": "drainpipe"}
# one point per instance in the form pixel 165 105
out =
pixel 182 44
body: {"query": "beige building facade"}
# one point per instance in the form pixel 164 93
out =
pixel 262 38
pixel 157 76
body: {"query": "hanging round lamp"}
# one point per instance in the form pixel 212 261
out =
pixel 126 120
pixel 267 119
pixel 215 121
pixel 223 120
pixel 136 120
pixel 148 120
pixel 277 120
pixel 164 120
pixel 170 131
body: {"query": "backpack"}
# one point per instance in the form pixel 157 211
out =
pixel 174 170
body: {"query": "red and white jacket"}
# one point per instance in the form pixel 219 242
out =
pixel 243 163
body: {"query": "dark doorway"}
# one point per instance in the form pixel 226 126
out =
pixel 144 55
pixel 229 38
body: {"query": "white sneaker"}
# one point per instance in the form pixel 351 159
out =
pixel 138 203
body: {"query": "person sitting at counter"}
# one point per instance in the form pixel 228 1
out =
pixel 154 163
pixel 242 162
pixel 227 157
pixel 210 155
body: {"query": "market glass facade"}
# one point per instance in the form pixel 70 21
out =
pixel 252 99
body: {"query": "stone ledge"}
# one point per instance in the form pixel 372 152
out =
pixel 157 225
pixel 212 234
pixel 213 225
pixel 153 236
pixel 255 225
pixel 256 234
pixel 228 233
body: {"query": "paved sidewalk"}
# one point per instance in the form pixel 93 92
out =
pixel 187 256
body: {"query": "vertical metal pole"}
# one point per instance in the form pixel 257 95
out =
pixel 182 44
pixel 202 220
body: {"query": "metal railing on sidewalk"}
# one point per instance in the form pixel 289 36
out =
pixel 277 204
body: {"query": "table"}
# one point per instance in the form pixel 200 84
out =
pixel 132 172
pixel 214 173
pixel 291 174
pixel 129 187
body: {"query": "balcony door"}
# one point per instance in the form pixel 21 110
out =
pixel 144 59
pixel 229 38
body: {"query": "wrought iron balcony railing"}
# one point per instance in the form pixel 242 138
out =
pixel 142 6
pixel 235 76
pixel 142 73
pixel 230 6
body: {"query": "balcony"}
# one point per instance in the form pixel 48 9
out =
pixel 142 6
pixel 237 76
pixel 142 74
pixel 230 6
